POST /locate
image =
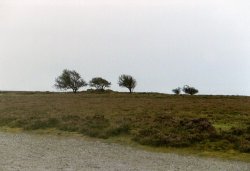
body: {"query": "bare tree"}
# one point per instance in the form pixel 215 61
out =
pixel 69 80
pixel 99 83
pixel 128 82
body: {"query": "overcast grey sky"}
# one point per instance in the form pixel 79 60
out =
pixel 162 43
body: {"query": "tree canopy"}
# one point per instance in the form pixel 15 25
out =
pixel 128 82
pixel 177 91
pixel 70 80
pixel 99 83
pixel 189 90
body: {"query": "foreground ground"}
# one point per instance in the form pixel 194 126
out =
pixel 215 125
pixel 31 152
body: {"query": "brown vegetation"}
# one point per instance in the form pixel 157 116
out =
pixel 217 123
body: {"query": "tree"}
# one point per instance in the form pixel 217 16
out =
pixel 177 91
pixel 99 83
pixel 69 80
pixel 127 81
pixel 189 90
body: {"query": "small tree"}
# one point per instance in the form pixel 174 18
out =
pixel 99 83
pixel 69 80
pixel 189 90
pixel 177 91
pixel 128 82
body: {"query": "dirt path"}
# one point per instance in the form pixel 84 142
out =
pixel 26 152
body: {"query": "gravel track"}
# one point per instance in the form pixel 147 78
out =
pixel 28 152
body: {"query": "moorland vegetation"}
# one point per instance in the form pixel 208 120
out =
pixel 206 123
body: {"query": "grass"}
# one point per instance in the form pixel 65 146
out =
pixel 203 125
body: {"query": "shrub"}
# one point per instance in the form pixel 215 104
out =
pixel 95 126
pixel 169 131
pixel 219 145
pixel 237 131
pixel 97 121
pixel 244 146
pixel 41 123
pixel 156 137
pixel 198 125
pixel 118 130
pixel 70 123
pixel 6 120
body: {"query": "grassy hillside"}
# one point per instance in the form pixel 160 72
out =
pixel 205 123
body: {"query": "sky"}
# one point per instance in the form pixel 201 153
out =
pixel 164 44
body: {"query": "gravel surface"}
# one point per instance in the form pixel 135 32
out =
pixel 28 152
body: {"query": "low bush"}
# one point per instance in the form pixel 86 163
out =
pixel 124 128
pixel 176 132
pixel 244 146
pixel 95 126
pixel 41 123
pixel 70 123
pixel 6 121
pixel 239 137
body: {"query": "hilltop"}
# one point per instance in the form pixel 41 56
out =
pixel 197 123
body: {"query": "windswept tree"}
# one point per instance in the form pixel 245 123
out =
pixel 177 91
pixel 69 80
pixel 189 90
pixel 99 83
pixel 128 82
